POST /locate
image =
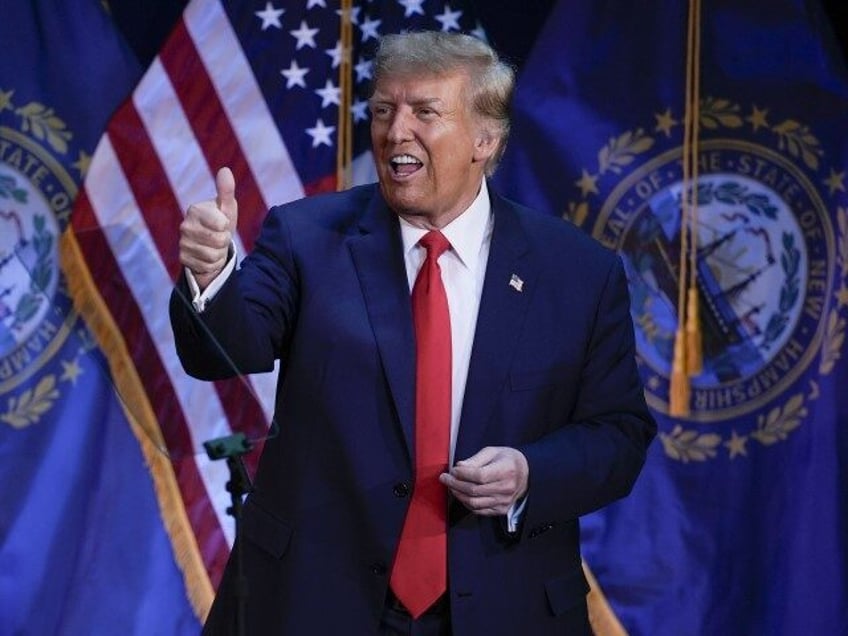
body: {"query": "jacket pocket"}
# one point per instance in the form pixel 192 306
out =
pixel 265 530
pixel 566 592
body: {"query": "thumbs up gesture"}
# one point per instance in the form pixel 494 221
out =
pixel 207 230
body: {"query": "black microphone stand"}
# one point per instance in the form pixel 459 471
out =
pixel 233 448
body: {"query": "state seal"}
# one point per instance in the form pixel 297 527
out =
pixel 36 313
pixel 770 267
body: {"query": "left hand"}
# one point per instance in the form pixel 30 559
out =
pixel 490 481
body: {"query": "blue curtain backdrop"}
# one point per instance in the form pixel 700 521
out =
pixel 738 524
pixel 82 543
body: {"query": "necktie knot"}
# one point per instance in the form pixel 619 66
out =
pixel 435 243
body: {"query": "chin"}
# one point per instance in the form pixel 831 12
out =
pixel 400 201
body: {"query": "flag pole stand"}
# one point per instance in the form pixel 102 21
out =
pixel 233 448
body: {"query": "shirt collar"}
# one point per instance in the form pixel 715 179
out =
pixel 466 232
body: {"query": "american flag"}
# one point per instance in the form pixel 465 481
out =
pixel 255 86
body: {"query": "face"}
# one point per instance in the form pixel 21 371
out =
pixel 429 148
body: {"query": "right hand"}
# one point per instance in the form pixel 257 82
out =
pixel 207 230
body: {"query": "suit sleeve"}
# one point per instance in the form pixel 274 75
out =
pixel 595 457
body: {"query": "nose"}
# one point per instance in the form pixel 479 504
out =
pixel 399 128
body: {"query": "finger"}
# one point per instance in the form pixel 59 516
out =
pixel 199 258
pixel 474 489
pixel 203 250
pixel 483 457
pixel 491 504
pixel 225 188
pixel 487 500
pixel 209 231
pixel 492 512
pixel 469 474
pixel 481 467
pixel 484 505
pixel 494 471
pixel 473 502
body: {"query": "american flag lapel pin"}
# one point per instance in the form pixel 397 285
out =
pixel 516 283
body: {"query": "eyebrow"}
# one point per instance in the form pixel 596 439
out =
pixel 422 101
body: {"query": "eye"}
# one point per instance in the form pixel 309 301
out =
pixel 425 112
pixel 380 111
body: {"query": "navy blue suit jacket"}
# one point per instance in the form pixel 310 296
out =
pixel 552 373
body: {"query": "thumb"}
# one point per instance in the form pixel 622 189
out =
pixel 225 199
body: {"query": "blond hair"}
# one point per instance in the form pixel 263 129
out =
pixel 491 81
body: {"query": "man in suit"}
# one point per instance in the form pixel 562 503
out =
pixel 457 380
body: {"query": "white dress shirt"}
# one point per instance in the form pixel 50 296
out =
pixel 463 270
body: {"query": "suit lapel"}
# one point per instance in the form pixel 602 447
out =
pixel 378 258
pixel 503 304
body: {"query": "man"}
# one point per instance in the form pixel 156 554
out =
pixel 449 402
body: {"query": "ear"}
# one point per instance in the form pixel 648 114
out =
pixel 485 145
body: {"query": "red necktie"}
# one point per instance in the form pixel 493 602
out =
pixel 419 574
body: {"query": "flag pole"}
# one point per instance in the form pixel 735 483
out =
pixel 344 149
pixel 688 357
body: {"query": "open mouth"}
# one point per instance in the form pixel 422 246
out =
pixel 403 165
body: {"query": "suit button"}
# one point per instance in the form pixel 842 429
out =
pixel 401 489
pixel 378 568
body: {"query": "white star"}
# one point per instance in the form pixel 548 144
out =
pixel 330 94
pixel 411 7
pixel 363 69
pixel 449 19
pixel 335 54
pixel 359 108
pixel 480 33
pixel 354 14
pixel 305 36
pixel 270 16
pixel 294 75
pixel 321 134
pixel 369 29
pixel 316 3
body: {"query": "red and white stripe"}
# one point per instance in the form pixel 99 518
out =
pixel 197 108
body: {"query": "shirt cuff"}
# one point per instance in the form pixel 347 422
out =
pixel 201 298
pixel 513 515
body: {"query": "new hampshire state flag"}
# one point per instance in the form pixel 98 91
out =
pixel 739 522
pixel 83 549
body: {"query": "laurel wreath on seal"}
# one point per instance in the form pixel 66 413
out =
pixel 42 123
pixel 790 261
pixel 617 152
pixel 797 141
pixel 40 275
pixel 732 193
pixel 834 335
pixel 32 403
pixel 688 445
pixel 9 189
pixel 716 113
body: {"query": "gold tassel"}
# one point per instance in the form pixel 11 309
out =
pixel 694 337
pixel 678 392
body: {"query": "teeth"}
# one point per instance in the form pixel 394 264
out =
pixel 404 159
